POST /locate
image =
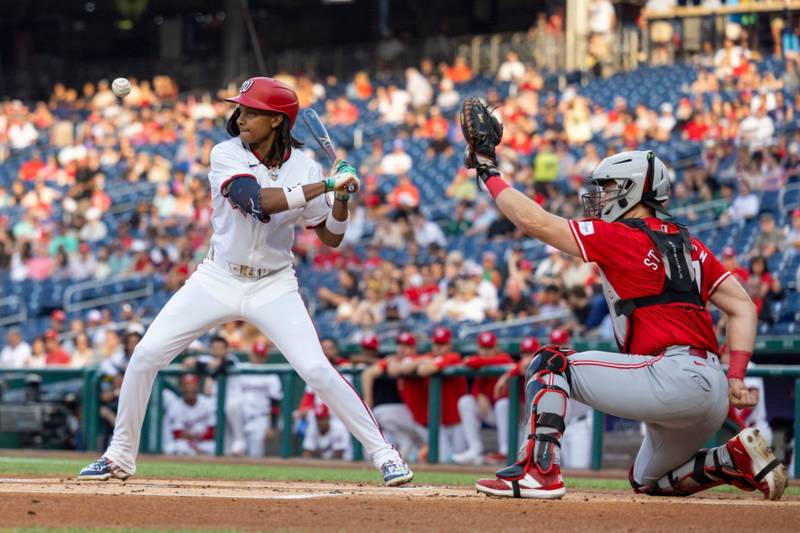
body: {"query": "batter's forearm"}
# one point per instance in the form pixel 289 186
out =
pixel 274 199
pixel 339 212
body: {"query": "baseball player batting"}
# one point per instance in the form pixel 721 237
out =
pixel 262 185
pixel 657 281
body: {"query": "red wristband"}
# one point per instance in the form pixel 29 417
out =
pixel 737 367
pixel 496 184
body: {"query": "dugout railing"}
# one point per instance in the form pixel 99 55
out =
pixel 152 436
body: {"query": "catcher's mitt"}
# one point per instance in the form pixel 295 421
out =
pixel 482 131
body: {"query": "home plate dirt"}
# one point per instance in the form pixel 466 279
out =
pixel 304 506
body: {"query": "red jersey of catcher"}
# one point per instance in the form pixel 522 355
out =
pixel 632 267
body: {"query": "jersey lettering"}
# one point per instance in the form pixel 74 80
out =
pixel 652 260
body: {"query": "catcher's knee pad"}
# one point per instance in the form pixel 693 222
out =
pixel 547 389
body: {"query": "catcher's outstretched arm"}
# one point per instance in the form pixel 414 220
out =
pixel 531 218
pixel 483 132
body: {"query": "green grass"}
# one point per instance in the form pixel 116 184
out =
pixel 359 473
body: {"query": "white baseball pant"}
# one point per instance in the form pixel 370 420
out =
pixel 471 423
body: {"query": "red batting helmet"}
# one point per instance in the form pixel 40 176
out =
pixel 487 339
pixel 270 95
pixel 441 335
pixel 529 345
pixel 370 342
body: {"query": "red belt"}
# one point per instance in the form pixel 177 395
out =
pixel 693 351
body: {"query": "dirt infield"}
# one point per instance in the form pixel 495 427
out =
pixel 295 506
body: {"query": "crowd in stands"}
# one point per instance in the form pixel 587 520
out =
pixel 68 160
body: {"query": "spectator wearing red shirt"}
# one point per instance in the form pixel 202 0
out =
pixel 762 287
pixel 56 355
pixel 341 112
pixel 29 170
pixel 730 262
pixel 435 123
pixel 696 129
pixel 481 404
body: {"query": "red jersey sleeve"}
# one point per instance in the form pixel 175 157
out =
pixel 448 359
pixel 599 241
pixel 712 272
pixel 480 362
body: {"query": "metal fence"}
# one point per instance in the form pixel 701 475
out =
pixel 152 429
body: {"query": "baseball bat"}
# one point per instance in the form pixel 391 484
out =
pixel 318 131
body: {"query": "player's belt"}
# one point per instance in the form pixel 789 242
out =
pixel 245 271
pixel 695 352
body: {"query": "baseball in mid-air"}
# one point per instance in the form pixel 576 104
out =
pixel 121 87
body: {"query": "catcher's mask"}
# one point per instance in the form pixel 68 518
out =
pixel 640 177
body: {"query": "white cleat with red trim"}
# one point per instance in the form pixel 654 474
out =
pixel 532 485
pixel 756 465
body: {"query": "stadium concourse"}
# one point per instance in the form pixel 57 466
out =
pixel 105 203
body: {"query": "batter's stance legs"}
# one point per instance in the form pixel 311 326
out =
pixel 191 312
pixel 286 321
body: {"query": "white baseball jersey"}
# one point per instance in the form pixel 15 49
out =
pixel 337 439
pixel 243 240
pixel 184 422
pixel 257 392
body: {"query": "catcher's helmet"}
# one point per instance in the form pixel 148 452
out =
pixel 270 95
pixel 640 176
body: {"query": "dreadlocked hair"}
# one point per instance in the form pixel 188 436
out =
pixel 283 137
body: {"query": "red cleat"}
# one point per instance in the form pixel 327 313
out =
pixel 532 485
